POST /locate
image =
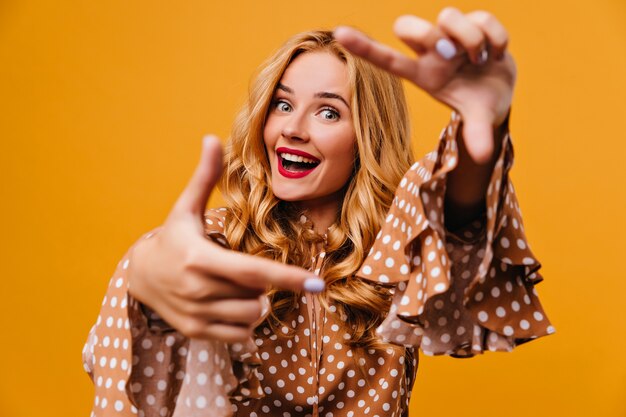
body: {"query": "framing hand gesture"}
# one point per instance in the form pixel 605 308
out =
pixel 199 288
pixel 462 61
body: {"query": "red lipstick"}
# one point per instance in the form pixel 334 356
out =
pixel 296 152
pixel 294 174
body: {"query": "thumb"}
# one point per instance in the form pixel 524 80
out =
pixel 478 138
pixel 194 197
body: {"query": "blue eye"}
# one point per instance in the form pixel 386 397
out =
pixel 330 114
pixel 282 106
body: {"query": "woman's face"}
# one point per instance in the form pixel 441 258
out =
pixel 309 135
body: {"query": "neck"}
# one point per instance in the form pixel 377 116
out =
pixel 322 211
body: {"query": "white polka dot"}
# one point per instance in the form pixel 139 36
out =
pixel 483 316
pixel 203 356
pixel 201 401
pixel 500 312
pixel 367 270
pixel 521 244
pixel 495 292
pixel 538 316
pixel 505 242
pixel 201 378
pixel 440 287
pixel 524 324
pixel 508 330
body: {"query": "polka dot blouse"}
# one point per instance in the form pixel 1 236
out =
pixel 456 294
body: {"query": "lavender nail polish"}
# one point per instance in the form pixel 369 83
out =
pixel 445 48
pixel 483 56
pixel 314 285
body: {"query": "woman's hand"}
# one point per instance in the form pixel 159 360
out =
pixel 462 62
pixel 199 288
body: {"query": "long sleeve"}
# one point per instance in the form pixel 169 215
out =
pixel 140 365
pixel 457 293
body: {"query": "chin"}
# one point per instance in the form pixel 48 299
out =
pixel 287 195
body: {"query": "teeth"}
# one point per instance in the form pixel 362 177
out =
pixel 297 158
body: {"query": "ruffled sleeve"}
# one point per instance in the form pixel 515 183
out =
pixel 457 293
pixel 141 365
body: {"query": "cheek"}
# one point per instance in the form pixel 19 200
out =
pixel 267 135
pixel 344 148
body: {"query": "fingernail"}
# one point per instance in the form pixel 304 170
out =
pixel 314 285
pixel 483 56
pixel 445 48
pixel 207 139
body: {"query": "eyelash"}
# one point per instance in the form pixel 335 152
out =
pixel 334 111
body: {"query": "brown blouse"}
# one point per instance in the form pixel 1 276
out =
pixel 454 293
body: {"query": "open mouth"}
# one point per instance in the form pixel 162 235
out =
pixel 294 163
pixel 297 163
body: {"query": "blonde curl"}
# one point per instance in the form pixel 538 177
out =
pixel 261 224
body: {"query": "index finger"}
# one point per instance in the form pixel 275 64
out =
pixel 256 272
pixel 377 53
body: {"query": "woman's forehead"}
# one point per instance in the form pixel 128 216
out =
pixel 318 71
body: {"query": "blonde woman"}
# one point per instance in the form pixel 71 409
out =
pixel 336 256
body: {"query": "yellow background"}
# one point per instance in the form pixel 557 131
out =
pixel 102 108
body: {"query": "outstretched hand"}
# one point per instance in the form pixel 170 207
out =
pixel 461 61
pixel 198 287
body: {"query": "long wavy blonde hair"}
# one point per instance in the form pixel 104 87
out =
pixel 261 224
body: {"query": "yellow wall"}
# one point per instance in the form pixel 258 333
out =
pixel 102 107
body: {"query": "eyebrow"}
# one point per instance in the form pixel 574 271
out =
pixel 323 94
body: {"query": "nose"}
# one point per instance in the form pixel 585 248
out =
pixel 295 128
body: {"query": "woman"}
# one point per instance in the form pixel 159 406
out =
pixel 318 175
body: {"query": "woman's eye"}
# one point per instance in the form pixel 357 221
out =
pixel 283 106
pixel 330 114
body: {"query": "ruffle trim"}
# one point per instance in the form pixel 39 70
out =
pixel 228 371
pixel 457 294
